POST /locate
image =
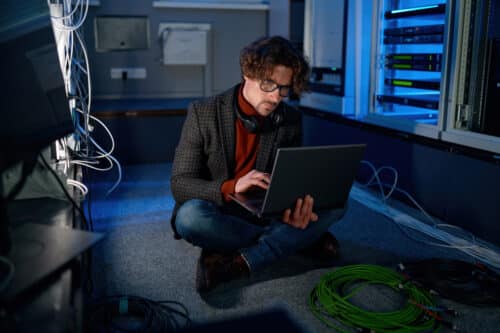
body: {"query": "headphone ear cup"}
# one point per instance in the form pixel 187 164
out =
pixel 277 118
pixel 249 122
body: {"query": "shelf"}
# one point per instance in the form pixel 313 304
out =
pixel 208 5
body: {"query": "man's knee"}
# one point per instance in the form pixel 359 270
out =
pixel 193 218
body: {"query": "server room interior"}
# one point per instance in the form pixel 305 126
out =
pixel 132 272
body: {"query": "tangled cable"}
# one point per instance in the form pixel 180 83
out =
pixel 447 236
pixel 330 302
pixel 148 315
pixel 463 282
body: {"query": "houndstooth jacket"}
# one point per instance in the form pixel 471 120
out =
pixel 205 155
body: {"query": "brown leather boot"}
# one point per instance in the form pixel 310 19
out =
pixel 326 248
pixel 215 268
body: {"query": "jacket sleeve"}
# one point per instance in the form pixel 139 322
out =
pixel 190 175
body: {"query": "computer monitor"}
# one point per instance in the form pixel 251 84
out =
pixel 34 109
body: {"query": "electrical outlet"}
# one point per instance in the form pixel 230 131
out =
pixel 128 73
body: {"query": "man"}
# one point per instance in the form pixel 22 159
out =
pixel 228 145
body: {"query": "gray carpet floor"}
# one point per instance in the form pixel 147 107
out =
pixel 139 256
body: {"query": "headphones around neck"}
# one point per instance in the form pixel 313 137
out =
pixel 253 124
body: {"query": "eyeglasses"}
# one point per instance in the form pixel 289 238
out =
pixel 270 86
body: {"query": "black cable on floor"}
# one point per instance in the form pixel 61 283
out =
pixel 461 281
pixel 125 313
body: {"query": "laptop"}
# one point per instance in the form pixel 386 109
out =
pixel 324 172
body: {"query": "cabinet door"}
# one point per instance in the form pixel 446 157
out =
pixel 474 117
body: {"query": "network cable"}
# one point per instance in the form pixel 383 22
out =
pixel 152 316
pixel 331 302
pixel 67 17
pixel 475 247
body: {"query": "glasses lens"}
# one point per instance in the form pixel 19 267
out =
pixel 268 85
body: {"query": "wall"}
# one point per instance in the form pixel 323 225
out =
pixel 231 29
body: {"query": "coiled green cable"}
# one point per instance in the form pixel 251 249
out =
pixel 330 302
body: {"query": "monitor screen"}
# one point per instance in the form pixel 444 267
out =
pixel 34 108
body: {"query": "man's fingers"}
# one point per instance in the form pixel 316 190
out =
pixel 259 183
pixel 286 215
pixel 261 176
pixel 307 206
pixel 302 213
pixel 298 207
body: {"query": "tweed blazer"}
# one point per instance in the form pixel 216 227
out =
pixel 205 155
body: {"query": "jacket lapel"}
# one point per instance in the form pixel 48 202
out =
pixel 267 140
pixel 227 120
pixel 267 145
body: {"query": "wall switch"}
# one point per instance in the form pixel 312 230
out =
pixel 128 73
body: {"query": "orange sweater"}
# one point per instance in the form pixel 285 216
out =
pixel 246 148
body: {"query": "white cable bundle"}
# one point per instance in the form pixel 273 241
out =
pixel 474 247
pixel 67 16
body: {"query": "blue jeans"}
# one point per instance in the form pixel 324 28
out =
pixel 204 224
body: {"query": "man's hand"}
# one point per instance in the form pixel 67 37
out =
pixel 302 213
pixel 253 178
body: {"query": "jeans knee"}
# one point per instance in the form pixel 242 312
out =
pixel 189 217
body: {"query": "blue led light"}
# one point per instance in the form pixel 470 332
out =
pixel 397 11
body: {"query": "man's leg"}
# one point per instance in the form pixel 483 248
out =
pixel 220 235
pixel 203 224
pixel 280 240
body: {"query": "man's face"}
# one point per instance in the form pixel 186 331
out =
pixel 266 102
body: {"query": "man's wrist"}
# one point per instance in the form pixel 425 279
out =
pixel 228 188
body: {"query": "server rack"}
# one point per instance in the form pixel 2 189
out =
pixel 409 65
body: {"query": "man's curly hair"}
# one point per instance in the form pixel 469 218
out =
pixel 258 59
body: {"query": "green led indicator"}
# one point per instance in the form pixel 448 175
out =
pixel 402 57
pixel 402 83
pixel 334 69
pixel 402 66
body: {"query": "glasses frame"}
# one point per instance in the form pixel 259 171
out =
pixel 275 86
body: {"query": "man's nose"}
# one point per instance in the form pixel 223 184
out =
pixel 276 97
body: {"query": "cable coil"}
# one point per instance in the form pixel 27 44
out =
pixel 330 302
